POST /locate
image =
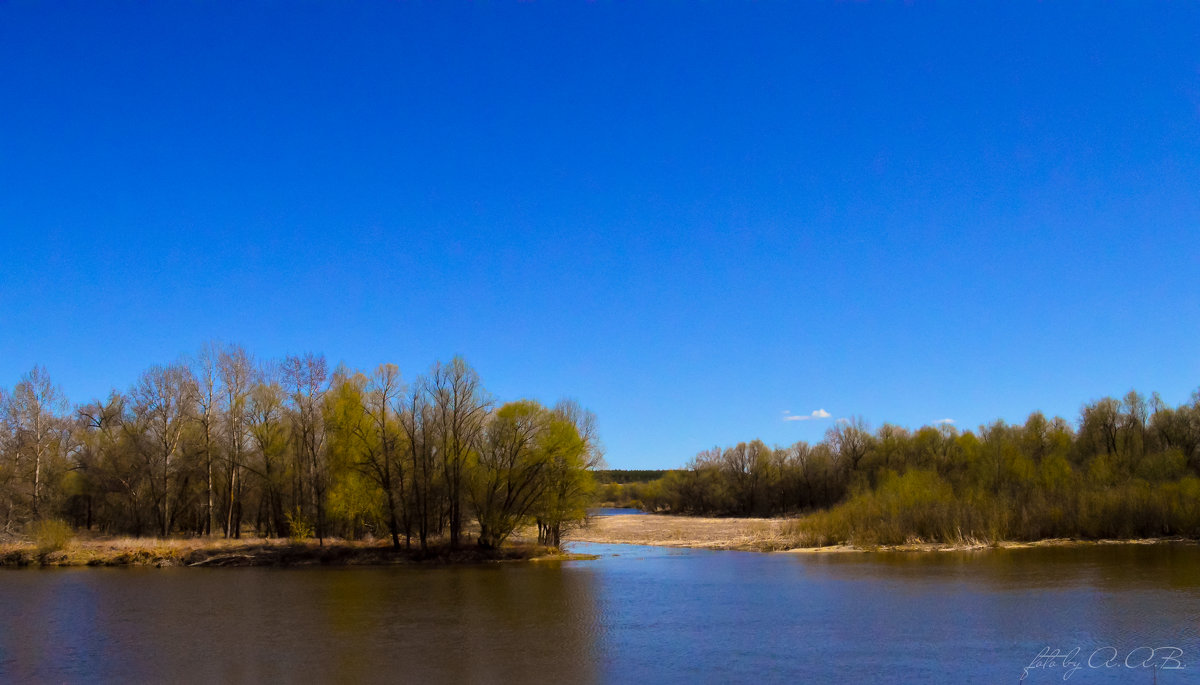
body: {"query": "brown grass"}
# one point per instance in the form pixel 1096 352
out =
pixel 762 535
pixel 770 535
pixel 209 552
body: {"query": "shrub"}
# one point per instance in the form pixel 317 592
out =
pixel 299 529
pixel 51 535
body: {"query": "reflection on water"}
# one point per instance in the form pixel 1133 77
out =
pixel 464 624
pixel 638 614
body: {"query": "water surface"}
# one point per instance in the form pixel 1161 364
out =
pixel 638 614
pixel 612 511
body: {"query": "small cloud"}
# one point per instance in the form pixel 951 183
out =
pixel 817 414
pixel 843 420
pixel 943 421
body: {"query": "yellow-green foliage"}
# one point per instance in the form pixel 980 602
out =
pixel 51 535
pixel 353 501
pixel 299 527
pixel 916 506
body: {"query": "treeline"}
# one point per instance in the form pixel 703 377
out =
pixel 623 487
pixel 1126 468
pixel 220 444
pixel 628 475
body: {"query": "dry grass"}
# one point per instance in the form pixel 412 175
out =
pixel 753 534
pixel 165 552
pixel 770 535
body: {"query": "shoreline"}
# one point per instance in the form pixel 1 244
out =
pixel 261 552
pixel 985 546
pixel 771 535
pixel 658 530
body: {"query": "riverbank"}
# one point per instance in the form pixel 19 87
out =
pixel 752 534
pixel 775 535
pixel 202 552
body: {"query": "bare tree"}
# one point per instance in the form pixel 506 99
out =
pixel 417 422
pixel 100 426
pixel 207 401
pixel 38 407
pixel 265 420
pixel 850 440
pixel 9 459
pixel 162 405
pixel 459 408
pixel 306 377
pixel 236 372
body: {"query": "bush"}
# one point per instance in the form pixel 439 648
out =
pixel 299 529
pixel 51 535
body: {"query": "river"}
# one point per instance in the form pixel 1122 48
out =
pixel 635 615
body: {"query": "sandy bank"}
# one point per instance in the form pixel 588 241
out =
pixel 771 535
pixel 685 531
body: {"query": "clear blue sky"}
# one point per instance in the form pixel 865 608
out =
pixel 692 217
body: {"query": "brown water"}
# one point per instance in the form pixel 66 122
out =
pixel 638 614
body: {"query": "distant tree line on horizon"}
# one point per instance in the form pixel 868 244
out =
pixel 622 476
pixel 219 444
pixel 1128 467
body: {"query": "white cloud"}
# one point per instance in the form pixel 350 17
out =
pixel 944 421
pixel 843 420
pixel 817 414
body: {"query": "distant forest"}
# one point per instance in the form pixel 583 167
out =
pixel 628 475
pixel 220 444
pixel 1126 468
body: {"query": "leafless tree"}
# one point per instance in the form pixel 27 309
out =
pixel 207 401
pixel 265 420
pixel 38 408
pixel 162 406
pixel 459 407
pixel 420 442
pixel 306 377
pixel 236 372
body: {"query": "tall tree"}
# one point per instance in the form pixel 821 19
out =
pixel 517 451
pixel 570 485
pixel 9 461
pixel 38 408
pixel 236 370
pixel 459 408
pixel 420 443
pixel 306 377
pixel 265 418
pixel 383 458
pixel 162 406
pixel 207 401
pixel 100 426
pixel 850 439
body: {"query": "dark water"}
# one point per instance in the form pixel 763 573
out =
pixel 649 615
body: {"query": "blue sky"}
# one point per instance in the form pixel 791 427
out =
pixel 692 217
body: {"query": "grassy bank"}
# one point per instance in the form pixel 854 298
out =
pixel 200 552
pixel 686 531
pixel 793 535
